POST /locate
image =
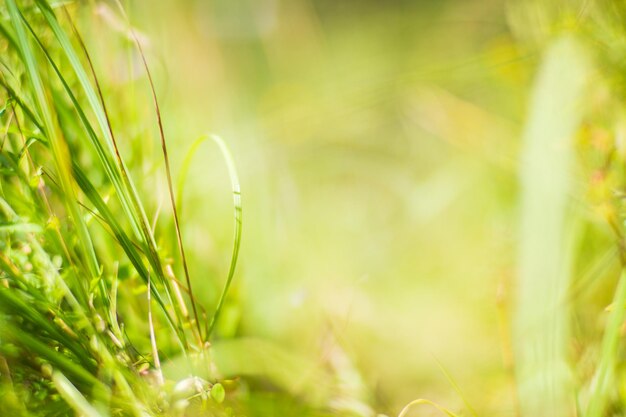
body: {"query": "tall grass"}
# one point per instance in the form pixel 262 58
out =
pixel 77 246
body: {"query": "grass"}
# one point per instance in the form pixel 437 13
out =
pixel 65 243
pixel 102 311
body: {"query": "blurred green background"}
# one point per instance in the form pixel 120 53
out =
pixel 376 143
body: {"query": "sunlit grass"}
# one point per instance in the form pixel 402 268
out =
pixel 66 303
pixel 396 177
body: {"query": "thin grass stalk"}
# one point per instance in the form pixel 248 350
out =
pixel 168 172
pixel 236 190
pixel 604 378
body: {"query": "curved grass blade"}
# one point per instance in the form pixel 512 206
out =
pixel 234 180
pixel 423 401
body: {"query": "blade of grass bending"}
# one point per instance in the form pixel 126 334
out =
pixel 168 172
pixel 604 378
pixel 57 145
pixel 455 386
pixel 423 401
pixel 234 180
pixel 184 170
pixel 541 315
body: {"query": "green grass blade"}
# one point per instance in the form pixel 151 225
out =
pixel 55 358
pixel 234 179
pixel 118 174
pixel 604 378
pixel 124 241
pixel 12 304
pixel 168 172
pixel 113 175
pixel 59 150
pixel 423 401
pixel 73 396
